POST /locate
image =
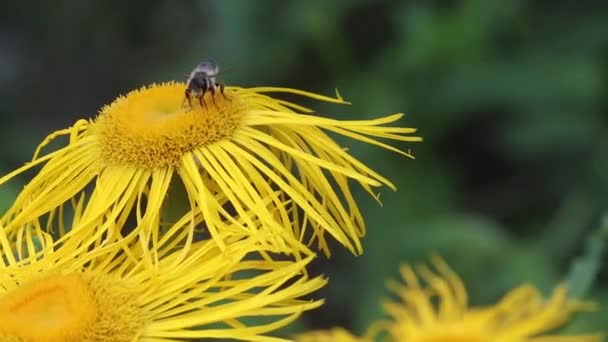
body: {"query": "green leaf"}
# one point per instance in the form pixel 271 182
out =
pixel 584 269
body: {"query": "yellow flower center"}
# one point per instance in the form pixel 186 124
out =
pixel 154 127
pixel 56 308
pixel 79 307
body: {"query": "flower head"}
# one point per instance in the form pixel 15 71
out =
pixel 240 154
pixel 433 307
pixel 332 335
pixel 63 293
pixel 439 311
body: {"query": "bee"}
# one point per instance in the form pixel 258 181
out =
pixel 202 79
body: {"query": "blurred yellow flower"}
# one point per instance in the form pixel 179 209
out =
pixel 439 311
pixel 248 152
pixel 336 334
pixel 61 293
pixel 331 335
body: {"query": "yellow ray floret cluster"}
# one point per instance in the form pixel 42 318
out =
pixel 62 293
pixel 158 221
pixel 242 154
pixel 331 335
pixel 433 307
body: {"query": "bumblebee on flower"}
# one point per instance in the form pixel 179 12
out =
pixel 249 154
pixel 203 79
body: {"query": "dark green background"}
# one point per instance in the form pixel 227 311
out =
pixel 510 97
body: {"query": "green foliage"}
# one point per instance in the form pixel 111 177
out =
pixel 585 269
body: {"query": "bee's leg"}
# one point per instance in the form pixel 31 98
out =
pixel 187 98
pixel 222 91
pixel 212 89
pixel 201 99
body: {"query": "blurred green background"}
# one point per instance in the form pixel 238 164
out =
pixel 510 96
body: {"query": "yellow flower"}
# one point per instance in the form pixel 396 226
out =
pixel 61 293
pixel 439 311
pixel 436 310
pixel 246 153
pixel 332 335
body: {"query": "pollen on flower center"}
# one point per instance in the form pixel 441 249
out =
pixel 153 127
pixel 79 307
